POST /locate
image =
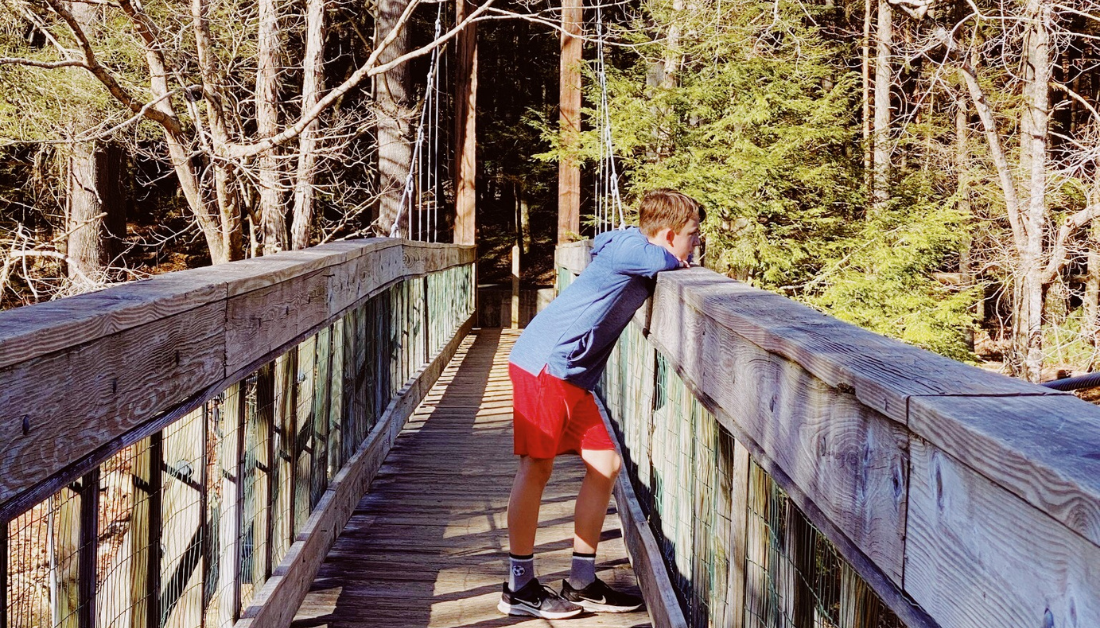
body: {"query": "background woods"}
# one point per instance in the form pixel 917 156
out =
pixel 924 169
pixel 209 119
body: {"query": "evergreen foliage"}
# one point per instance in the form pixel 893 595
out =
pixel 749 107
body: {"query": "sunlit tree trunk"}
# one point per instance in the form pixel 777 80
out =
pixel 272 212
pixel 313 79
pixel 94 200
pixel 1033 138
pixel 392 116
pixel 883 78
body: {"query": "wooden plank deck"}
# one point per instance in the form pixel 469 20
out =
pixel 427 546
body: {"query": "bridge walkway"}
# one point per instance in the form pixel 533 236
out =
pixel 427 545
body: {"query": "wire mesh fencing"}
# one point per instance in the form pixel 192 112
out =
pixel 738 551
pixel 184 527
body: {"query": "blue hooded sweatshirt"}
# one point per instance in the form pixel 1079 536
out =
pixel 574 335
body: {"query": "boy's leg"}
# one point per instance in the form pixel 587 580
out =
pixel 523 505
pixel 599 481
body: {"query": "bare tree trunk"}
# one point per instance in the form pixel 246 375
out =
pixel 1034 132
pixel 391 90
pixel 84 220
pixel 962 167
pixel 228 204
pixel 1092 283
pixel 313 81
pixel 883 78
pixel 92 193
pixel 179 150
pixel 963 190
pixel 272 214
pixel 865 93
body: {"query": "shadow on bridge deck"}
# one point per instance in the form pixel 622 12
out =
pixel 427 545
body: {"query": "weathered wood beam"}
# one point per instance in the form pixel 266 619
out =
pixel 128 354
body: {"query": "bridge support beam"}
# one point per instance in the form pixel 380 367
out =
pixel 465 128
pixel 569 172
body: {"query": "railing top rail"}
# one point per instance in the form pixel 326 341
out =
pixel 915 458
pixel 77 373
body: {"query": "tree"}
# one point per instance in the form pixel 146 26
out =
pixel 193 90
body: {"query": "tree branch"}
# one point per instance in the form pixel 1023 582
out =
pixel 1058 256
pixel 104 76
pixel 49 65
pixel 368 69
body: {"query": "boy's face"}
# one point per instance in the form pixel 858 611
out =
pixel 681 243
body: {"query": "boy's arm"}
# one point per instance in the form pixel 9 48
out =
pixel 645 260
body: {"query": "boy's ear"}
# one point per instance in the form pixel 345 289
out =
pixel 669 235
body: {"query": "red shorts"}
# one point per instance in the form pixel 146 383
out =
pixel 551 416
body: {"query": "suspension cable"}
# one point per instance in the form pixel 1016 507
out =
pixel 609 204
pixel 415 172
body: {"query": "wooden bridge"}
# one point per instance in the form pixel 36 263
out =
pixel 321 438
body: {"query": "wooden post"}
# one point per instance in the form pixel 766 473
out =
pixel 145 535
pixel 336 407
pixel 231 454
pixel 465 129
pixel 182 521
pixel 739 514
pixel 286 368
pixel 262 491
pixel 5 567
pixel 515 284
pixel 569 172
pixel 303 437
pixel 89 547
pixel 321 389
pixel 801 541
pixel 64 539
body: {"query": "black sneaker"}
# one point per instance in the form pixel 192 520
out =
pixel 600 598
pixel 536 600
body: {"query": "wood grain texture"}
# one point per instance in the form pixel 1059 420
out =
pixel 979 556
pixel 77 400
pixel 573 256
pixel 883 373
pixel 29 332
pixel 850 460
pixel 1044 450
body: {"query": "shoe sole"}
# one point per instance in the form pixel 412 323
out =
pixel 517 609
pixel 593 607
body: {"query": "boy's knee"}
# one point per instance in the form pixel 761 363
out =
pixel 537 468
pixel 615 464
pixel 607 463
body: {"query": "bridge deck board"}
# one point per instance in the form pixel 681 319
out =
pixel 427 545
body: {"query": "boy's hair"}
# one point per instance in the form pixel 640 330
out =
pixel 665 207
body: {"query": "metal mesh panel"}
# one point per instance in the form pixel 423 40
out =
pixel 183 528
pixel 796 576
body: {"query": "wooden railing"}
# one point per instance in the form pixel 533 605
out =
pixel 786 461
pixel 182 451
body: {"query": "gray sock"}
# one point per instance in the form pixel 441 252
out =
pixel 521 570
pixel 583 572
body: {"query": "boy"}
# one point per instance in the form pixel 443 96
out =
pixel 553 367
